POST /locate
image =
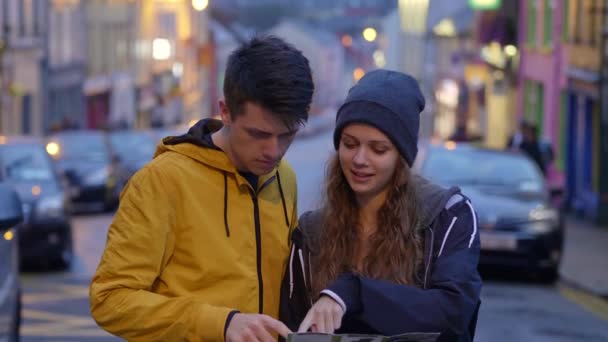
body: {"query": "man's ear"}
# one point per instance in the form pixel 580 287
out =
pixel 225 113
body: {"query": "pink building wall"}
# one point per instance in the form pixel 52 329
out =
pixel 546 65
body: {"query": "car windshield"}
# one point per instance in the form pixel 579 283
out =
pixel 25 163
pixel 133 145
pixel 482 167
pixel 84 147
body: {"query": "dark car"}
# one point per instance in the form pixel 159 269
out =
pixel 92 171
pixel 133 148
pixel 518 224
pixel 46 233
pixel 10 298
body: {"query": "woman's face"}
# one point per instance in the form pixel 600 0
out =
pixel 368 159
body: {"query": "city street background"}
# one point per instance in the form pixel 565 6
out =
pixel 514 306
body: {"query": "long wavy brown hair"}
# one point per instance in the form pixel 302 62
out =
pixel 394 249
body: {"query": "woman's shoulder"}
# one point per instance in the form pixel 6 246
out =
pixel 310 222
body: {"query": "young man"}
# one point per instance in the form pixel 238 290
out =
pixel 198 245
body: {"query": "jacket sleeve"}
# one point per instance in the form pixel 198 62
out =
pixel 446 306
pixel 140 241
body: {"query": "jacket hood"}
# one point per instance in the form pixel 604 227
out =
pixel 190 144
pixel 433 199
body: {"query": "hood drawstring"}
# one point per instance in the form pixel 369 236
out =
pixel 284 206
pixel 226 205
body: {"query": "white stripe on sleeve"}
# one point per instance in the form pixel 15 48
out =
pixel 474 224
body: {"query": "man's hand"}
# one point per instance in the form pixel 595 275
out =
pixel 254 328
pixel 324 317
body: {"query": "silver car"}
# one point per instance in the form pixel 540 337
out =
pixel 10 300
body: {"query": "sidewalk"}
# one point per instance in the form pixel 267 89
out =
pixel 585 259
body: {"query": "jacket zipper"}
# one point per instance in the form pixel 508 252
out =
pixel 258 248
pixel 429 258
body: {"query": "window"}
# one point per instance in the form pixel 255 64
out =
pixel 531 29
pixel 578 21
pixel 534 98
pixel 548 23
pixel 592 11
pixel 566 20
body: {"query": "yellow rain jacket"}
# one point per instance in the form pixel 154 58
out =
pixel 191 242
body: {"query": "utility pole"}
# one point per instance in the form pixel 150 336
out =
pixel 602 210
pixel 4 80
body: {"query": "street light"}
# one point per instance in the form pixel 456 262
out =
pixel 370 34
pixel 200 5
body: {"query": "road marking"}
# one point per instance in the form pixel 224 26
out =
pixel 55 324
pixel 594 304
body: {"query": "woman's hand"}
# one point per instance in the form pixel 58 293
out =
pixel 325 316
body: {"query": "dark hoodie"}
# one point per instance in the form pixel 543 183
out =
pixel 445 300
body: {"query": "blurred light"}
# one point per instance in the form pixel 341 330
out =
pixel 450 145
pixel 192 122
pixel 347 40
pixel 178 70
pixel 161 49
pixel 379 58
pixel 36 190
pixel 200 5
pixel 445 28
pixel 482 5
pixel 52 148
pixel 358 73
pixel 370 34
pixel 2 140
pixel 498 75
pixel 510 50
pixel 8 235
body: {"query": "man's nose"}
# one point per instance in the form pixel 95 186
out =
pixel 272 150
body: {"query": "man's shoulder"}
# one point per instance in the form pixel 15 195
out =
pixel 287 174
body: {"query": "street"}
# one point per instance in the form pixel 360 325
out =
pixel 514 308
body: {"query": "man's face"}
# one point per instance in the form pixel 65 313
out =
pixel 258 140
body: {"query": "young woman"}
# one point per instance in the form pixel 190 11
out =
pixel 389 252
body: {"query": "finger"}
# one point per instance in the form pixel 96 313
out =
pixel 329 323
pixel 262 334
pixel 320 322
pixel 277 326
pixel 306 323
pixel 337 316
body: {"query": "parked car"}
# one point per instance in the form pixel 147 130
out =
pixel 10 294
pixel 46 232
pixel 133 148
pixel 518 224
pixel 93 172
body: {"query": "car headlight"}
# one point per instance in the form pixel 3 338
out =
pixel 98 177
pixel 544 213
pixel 542 220
pixel 51 206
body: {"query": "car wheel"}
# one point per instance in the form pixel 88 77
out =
pixel 548 275
pixel 63 258
pixel 14 337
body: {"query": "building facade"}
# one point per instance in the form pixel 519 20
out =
pixel 23 63
pixel 542 76
pixel 584 30
pixel 65 107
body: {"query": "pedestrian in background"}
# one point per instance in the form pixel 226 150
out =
pixel 196 248
pixel 388 252
pixel 527 141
